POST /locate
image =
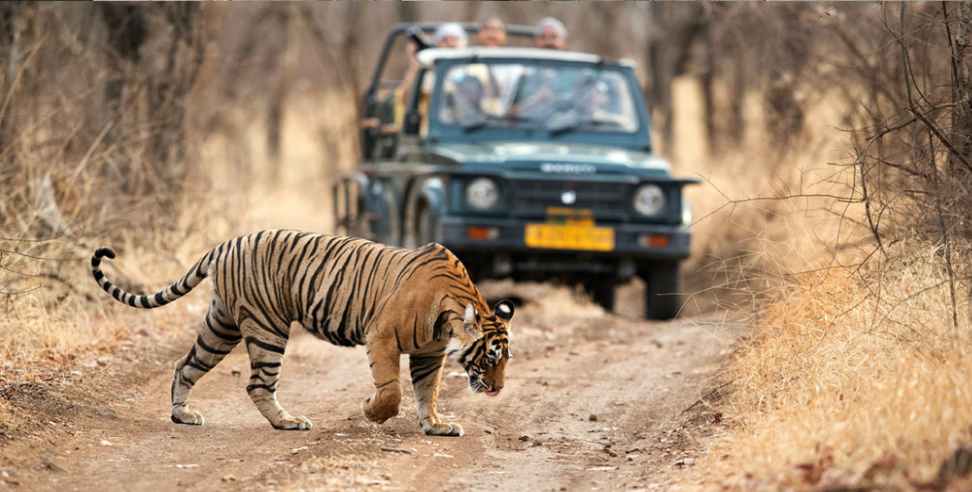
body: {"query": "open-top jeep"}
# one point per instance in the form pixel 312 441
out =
pixel 527 163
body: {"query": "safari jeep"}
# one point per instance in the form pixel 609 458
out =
pixel 527 163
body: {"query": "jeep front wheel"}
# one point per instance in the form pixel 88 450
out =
pixel 663 299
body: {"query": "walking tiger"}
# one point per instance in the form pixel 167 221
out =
pixel 347 291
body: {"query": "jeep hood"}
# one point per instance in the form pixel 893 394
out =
pixel 567 158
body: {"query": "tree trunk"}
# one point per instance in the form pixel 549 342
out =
pixel 168 94
pixel 736 130
pixel 9 51
pixel 127 30
pixel 408 11
pixel 608 16
pixel 707 78
pixel 280 87
pixel 349 52
pixel 958 20
pixel 961 16
pixel 659 93
pixel 668 54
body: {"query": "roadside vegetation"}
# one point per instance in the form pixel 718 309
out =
pixel 853 377
pixel 99 148
pixel 856 371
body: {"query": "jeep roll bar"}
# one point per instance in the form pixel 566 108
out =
pixel 427 28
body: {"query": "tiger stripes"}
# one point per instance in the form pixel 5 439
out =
pixel 347 291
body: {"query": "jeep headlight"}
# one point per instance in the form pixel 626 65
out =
pixel 482 193
pixel 649 200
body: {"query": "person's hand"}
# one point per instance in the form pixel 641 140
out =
pixel 412 49
pixel 370 123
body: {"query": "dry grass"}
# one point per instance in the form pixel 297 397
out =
pixel 56 316
pixel 852 376
pixel 849 379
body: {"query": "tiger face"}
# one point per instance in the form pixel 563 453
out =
pixel 484 358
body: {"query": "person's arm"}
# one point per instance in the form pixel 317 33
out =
pixel 401 92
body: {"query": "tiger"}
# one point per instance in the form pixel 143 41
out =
pixel 347 291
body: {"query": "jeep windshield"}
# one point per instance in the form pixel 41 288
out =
pixel 538 100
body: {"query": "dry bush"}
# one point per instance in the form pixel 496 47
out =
pixel 56 313
pixel 113 133
pixel 760 213
pixel 89 160
pixel 853 378
pixel 856 372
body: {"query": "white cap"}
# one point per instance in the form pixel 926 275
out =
pixel 451 30
pixel 554 24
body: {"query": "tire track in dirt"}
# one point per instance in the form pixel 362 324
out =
pixel 570 362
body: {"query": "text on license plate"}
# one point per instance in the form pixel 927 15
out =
pixel 569 236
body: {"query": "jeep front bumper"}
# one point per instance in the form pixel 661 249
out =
pixel 501 244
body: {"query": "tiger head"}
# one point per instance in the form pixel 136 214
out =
pixel 485 347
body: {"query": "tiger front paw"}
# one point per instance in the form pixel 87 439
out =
pixel 289 422
pixel 378 411
pixel 446 429
pixel 184 415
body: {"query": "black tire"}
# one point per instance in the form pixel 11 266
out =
pixel 602 292
pixel 425 225
pixel 663 298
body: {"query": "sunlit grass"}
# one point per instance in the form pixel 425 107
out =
pixel 851 378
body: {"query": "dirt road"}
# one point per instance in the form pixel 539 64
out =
pixel 591 401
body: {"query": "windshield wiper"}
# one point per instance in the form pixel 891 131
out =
pixel 475 125
pixel 577 124
pixel 489 120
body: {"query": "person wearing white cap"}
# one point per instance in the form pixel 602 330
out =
pixel 450 35
pixel 551 34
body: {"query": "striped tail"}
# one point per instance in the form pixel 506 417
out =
pixel 177 289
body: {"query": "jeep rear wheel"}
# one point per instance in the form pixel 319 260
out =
pixel 663 299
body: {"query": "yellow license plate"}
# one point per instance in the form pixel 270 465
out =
pixel 569 236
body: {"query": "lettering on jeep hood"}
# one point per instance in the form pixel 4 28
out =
pixel 555 167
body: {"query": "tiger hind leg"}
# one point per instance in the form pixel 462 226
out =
pixel 266 356
pixel 218 336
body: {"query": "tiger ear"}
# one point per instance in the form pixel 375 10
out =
pixel 504 309
pixel 469 321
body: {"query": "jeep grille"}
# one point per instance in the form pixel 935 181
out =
pixel 607 200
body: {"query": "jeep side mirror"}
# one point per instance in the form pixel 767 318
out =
pixel 413 122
